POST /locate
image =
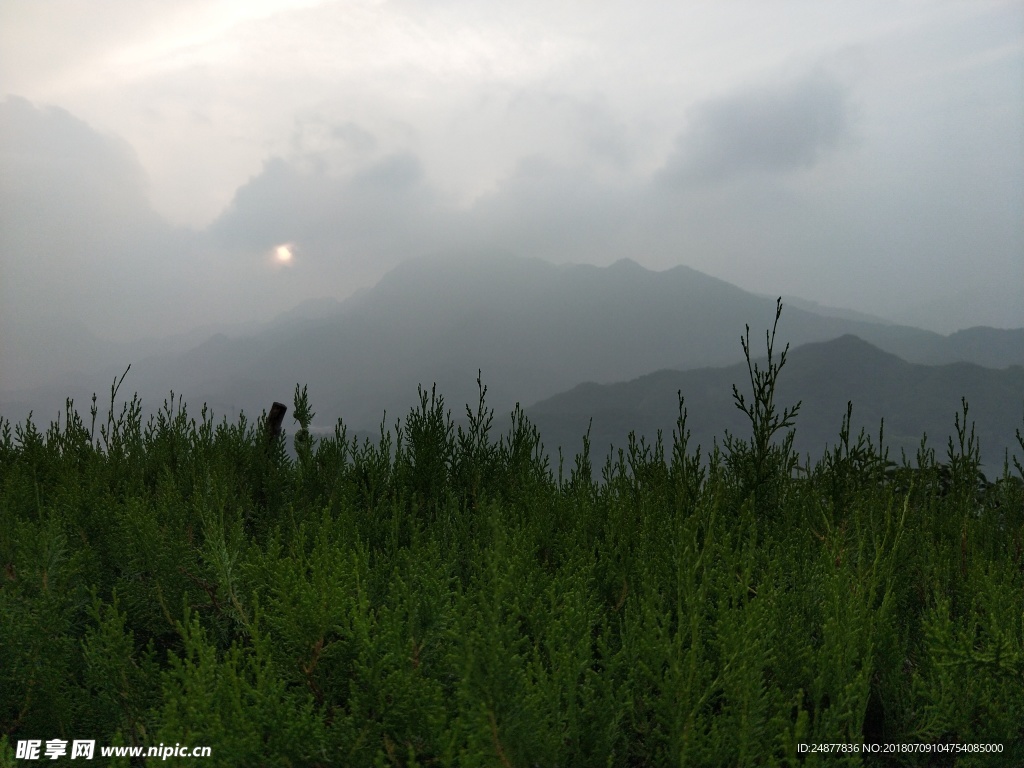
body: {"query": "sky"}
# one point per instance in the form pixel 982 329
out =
pixel 167 166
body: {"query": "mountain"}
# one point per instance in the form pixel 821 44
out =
pixel 822 309
pixel 535 329
pixel 57 351
pixel 913 399
pixel 990 347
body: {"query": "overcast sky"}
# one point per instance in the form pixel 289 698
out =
pixel 156 158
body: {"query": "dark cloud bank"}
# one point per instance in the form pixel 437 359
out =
pixel 767 130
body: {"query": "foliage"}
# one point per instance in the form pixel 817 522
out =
pixel 444 597
pixel 759 464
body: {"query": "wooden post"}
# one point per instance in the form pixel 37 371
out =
pixel 267 470
pixel 274 420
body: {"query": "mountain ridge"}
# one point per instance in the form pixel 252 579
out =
pixel 534 329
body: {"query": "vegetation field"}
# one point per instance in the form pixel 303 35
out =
pixel 446 596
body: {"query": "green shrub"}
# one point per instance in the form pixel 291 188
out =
pixel 443 597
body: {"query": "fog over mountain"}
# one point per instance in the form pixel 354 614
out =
pixel 534 330
pixel 175 170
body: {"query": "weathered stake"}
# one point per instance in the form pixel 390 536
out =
pixel 274 420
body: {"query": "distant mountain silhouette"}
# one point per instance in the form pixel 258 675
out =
pixel 827 311
pixel 913 399
pixel 535 329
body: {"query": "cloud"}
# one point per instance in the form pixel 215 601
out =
pixel 552 210
pixel 76 228
pixel 80 242
pixel 771 129
pixel 287 200
pixel 347 228
pixel 51 157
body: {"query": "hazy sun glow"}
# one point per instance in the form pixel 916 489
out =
pixel 283 253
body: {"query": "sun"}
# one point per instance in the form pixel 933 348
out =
pixel 283 253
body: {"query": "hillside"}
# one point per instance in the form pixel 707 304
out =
pixel 912 398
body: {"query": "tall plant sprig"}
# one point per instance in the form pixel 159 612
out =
pixel 762 412
pixel 475 454
pixel 304 415
pixel 1016 461
pixel 763 415
pixel 765 419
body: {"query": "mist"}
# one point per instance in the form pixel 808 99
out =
pixel 866 156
